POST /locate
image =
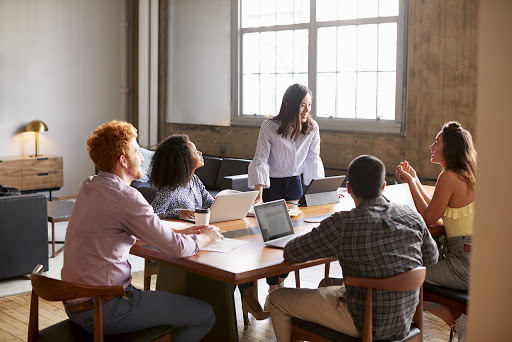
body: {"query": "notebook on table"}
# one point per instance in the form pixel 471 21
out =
pixel 231 205
pixel 274 223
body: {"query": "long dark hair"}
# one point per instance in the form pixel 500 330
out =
pixel 289 112
pixel 172 165
pixel 459 152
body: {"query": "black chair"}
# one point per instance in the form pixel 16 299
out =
pixel 57 290
pixel 455 300
pixel 407 281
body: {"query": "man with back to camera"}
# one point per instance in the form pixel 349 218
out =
pixel 108 217
pixel 377 239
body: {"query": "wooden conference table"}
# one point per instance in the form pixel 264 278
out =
pixel 212 276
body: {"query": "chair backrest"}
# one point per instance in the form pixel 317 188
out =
pixel 58 290
pixel 402 282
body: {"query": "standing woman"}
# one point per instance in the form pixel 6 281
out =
pixel 453 201
pixel 288 146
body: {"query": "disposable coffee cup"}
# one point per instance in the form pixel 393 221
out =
pixel 202 216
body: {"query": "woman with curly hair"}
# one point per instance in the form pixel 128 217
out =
pixel 453 201
pixel 180 191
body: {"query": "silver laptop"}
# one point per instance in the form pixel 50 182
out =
pixel 231 206
pixel 274 223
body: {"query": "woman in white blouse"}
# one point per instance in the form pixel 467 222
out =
pixel 288 146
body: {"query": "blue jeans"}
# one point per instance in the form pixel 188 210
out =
pixel 288 188
pixel 192 318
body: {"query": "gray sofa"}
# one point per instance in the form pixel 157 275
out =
pixel 23 234
pixel 217 174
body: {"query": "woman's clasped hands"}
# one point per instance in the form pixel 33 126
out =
pixel 405 172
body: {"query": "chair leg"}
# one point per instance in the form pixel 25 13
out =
pixel 297 279
pixel 327 269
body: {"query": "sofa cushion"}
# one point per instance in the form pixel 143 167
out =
pixel 208 173
pixel 146 190
pixel 230 167
pixel 148 155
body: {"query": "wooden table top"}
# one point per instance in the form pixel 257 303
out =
pixel 254 260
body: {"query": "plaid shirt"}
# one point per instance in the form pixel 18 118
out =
pixel 375 240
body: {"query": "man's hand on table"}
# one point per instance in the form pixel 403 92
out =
pixel 209 234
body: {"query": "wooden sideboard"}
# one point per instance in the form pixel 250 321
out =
pixel 29 174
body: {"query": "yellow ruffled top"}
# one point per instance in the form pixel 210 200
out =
pixel 459 221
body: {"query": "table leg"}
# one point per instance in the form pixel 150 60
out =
pixel 53 239
pixel 216 293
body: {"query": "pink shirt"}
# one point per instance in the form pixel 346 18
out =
pixel 107 219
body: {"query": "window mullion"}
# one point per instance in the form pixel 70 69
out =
pixel 312 53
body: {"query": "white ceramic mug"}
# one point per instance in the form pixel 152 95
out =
pixel 202 216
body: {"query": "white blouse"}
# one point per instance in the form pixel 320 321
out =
pixel 279 157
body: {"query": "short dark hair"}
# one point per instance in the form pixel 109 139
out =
pixel 172 165
pixel 366 175
pixel 289 112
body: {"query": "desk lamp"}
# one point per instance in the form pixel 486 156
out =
pixel 37 126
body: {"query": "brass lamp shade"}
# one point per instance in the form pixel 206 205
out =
pixel 36 126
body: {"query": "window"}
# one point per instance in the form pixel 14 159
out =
pixel 350 53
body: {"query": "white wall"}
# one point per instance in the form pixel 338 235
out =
pixel 490 295
pixel 59 62
pixel 199 70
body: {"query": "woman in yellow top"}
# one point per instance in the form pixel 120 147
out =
pixel 453 201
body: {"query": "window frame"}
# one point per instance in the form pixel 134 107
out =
pixel 375 126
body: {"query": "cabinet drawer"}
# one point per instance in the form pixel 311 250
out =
pixel 42 173
pixel 10 174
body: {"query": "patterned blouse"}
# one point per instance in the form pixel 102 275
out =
pixel 168 203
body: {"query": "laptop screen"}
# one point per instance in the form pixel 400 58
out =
pixel 273 220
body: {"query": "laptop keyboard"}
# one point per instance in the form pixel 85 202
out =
pixel 281 242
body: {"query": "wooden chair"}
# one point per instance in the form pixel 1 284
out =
pixel 455 300
pixel 57 290
pixel 150 268
pixel 403 282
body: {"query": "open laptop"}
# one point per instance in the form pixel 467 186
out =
pixel 230 206
pixel 274 223
pixel 322 191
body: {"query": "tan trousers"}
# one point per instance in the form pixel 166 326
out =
pixel 325 306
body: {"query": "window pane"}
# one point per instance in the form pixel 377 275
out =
pixel 326 49
pixel 250 13
pixel 284 51
pixel 268 12
pixel 326 95
pixel 251 94
pixel 285 12
pixel 268 52
pixel 388 8
pixel 283 81
pixel 301 11
pixel 251 58
pixel 300 50
pixel 366 95
pixel 387 47
pixel 367 8
pixel 346 97
pixel 326 10
pixel 347 9
pixel 386 95
pixel 300 78
pixel 268 94
pixel 367 47
pixel 347 48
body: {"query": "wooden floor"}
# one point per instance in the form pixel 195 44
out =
pixel 14 311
